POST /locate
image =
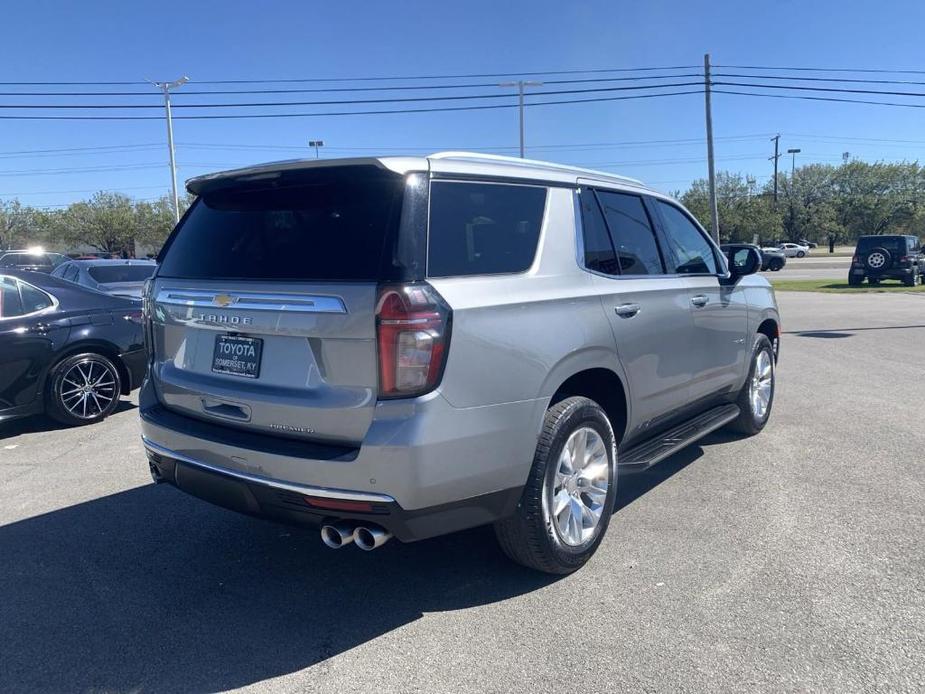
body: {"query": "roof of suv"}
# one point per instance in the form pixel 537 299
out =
pixel 461 163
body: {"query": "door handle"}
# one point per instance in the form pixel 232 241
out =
pixel 700 300
pixel 626 310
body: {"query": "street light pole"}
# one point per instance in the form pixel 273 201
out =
pixel 316 144
pixel 166 87
pixel 520 84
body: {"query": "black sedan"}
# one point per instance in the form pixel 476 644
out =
pixel 66 350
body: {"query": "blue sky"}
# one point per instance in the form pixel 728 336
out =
pixel 115 41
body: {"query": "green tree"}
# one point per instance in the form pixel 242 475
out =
pixel 17 225
pixel 744 209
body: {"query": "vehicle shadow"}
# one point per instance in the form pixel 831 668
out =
pixel 40 422
pixel 152 590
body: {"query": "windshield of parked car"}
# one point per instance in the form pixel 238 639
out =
pixel 108 274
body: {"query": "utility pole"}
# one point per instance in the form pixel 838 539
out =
pixel 714 212
pixel 793 165
pixel 166 87
pixel 777 155
pixel 520 84
pixel 316 144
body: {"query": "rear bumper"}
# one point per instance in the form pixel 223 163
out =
pixel 311 506
pixel 421 460
pixel 892 273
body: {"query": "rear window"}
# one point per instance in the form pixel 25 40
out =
pixel 483 228
pixel 891 243
pixel 106 274
pixel 330 224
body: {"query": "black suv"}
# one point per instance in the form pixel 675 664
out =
pixel 897 257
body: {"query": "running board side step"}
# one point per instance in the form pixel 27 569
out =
pixel 654 450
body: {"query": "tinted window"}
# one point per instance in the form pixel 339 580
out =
pixel 895 244
pixel 28 259
pixel 10 303
pixel 328 224
pixel 71 273
pixel 483 228
pixel 632 233
pixel 693 254
pixel 599 253
pixel 33 299
pixel 105 274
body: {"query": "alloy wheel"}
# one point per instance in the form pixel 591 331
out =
pixel 87 388
pixel 762 384
pixel 578 490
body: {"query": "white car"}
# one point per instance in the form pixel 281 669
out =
pixel 794 250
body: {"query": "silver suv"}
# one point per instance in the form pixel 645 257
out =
pixel 413 346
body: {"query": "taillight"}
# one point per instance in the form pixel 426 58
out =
pixel 856 260
pixel 147 314
pixel 413 332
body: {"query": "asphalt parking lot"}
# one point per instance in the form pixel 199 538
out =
pixel 791 561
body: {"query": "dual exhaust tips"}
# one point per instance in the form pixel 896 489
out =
pixel 366 537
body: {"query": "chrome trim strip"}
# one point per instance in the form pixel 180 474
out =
pixel 251 301
pixel 323 492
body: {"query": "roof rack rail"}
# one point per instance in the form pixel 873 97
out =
pixel 529 163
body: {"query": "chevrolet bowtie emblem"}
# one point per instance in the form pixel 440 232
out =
pixel 224 300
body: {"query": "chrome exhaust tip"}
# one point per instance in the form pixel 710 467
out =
pixel 337 535
pixel 369 538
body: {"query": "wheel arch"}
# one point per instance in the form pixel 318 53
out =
pixel 597 380
pixel 107 349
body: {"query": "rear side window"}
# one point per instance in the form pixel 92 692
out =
pixel 329 224
pixel 693 254
pixel 631 230
pixel 33 299
pixel 483 228
pixel 599 253
pixel 10 303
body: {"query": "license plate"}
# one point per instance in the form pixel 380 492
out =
pixel 236 355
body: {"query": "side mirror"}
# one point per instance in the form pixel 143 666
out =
pixel 743 260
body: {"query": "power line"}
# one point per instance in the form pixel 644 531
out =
pixel 840 90
pixel 823 69
pixel 370 79
pixel 344 102
pixel 441 109
pixel 416 87
pixel 794 78
pixel 815 98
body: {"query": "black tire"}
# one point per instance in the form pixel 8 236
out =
pixel 748 422
pixel 64 380
pixel 854 281
pixel 912 279
pixel 800 254
pixel 531 537
pixel 776 265
pixel 875 281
